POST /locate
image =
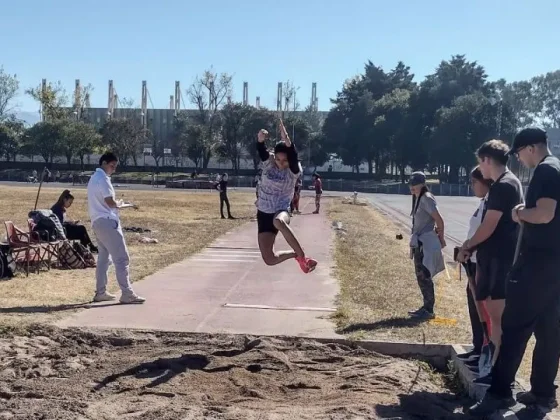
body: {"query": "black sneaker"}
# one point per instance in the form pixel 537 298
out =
pixel 483 380
pixel 528 398
pixel 472 364
pixel 416 312
pixel 422 313
pixel 468 355
pixel 490 404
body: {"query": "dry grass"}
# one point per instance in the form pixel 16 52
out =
pixel 183 222
pixel 378 286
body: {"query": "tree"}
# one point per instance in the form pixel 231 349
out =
pixel 80 139
pixel 546 89
pixel 466 124
pixel 124 137
pixel 258 118
pixel 209 93
pixel 11 135
pixel 53 100
pixel 520 97
pixel 234 118
pixel 46 139
pixel 393 109
pixel 9 86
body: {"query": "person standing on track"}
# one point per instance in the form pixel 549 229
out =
pixel 480 187
pixel 280 171
pixel 495 239
pixel 426 243
pixel 104 215
pixel 294 205
pixel 533 290
pixel 318 184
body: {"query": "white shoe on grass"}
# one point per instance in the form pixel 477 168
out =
pixel 104 297
pixel 132 298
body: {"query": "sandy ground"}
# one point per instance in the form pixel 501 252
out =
pixel 76 374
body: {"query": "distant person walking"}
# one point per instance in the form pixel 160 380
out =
pixel 318 185
pixel 222 185
pixel 104 214
pixel 294 205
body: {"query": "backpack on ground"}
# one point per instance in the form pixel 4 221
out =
pixel 75 256
pixel 7 264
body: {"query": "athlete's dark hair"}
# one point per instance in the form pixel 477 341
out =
pixel 476 173
pixel 281 148
pixel 416 201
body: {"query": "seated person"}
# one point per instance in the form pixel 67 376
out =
pixel 74 230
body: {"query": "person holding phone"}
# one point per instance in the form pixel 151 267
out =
pixel 104 213
pixel 73 228
pixel 280 171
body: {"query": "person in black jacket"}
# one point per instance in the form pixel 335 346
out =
pixel 222 188
pixel 73 229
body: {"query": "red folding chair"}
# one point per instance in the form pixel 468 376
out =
pixel 24 252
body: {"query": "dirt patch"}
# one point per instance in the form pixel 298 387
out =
pixel 76 374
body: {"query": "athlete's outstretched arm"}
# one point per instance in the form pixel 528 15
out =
pixel 261 148
pixel 293 161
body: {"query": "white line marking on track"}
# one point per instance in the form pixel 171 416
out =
pixel 278 308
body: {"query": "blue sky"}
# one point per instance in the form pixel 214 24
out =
pixel 264 42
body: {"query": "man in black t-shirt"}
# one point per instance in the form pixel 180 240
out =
pixel 495 238
pixel 533 290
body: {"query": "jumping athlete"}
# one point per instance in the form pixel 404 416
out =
pixel 280 172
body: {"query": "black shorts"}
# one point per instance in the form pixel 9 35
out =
pixel 265 222
pixel 492 273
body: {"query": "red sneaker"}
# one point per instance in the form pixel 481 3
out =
pixel 307 265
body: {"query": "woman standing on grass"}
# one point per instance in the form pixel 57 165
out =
pixel 280 172
pixel 426 243
pixel 318 185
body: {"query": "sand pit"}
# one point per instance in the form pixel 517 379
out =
pixel 76 374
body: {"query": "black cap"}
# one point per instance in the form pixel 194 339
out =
pixel 528 137
pixel 417 178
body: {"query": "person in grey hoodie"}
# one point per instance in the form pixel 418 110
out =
pixel 426 242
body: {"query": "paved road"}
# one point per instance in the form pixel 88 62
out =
pixel 456 212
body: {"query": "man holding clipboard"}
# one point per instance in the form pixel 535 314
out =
pixel 104 214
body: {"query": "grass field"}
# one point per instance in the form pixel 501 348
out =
pixel 183 223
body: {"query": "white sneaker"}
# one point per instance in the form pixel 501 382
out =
pixel 132 298
pixel 104 297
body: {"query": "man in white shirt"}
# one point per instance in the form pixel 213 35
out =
pixel 104 214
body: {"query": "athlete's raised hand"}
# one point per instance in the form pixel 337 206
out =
pixel 284 133
pixel 262 136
